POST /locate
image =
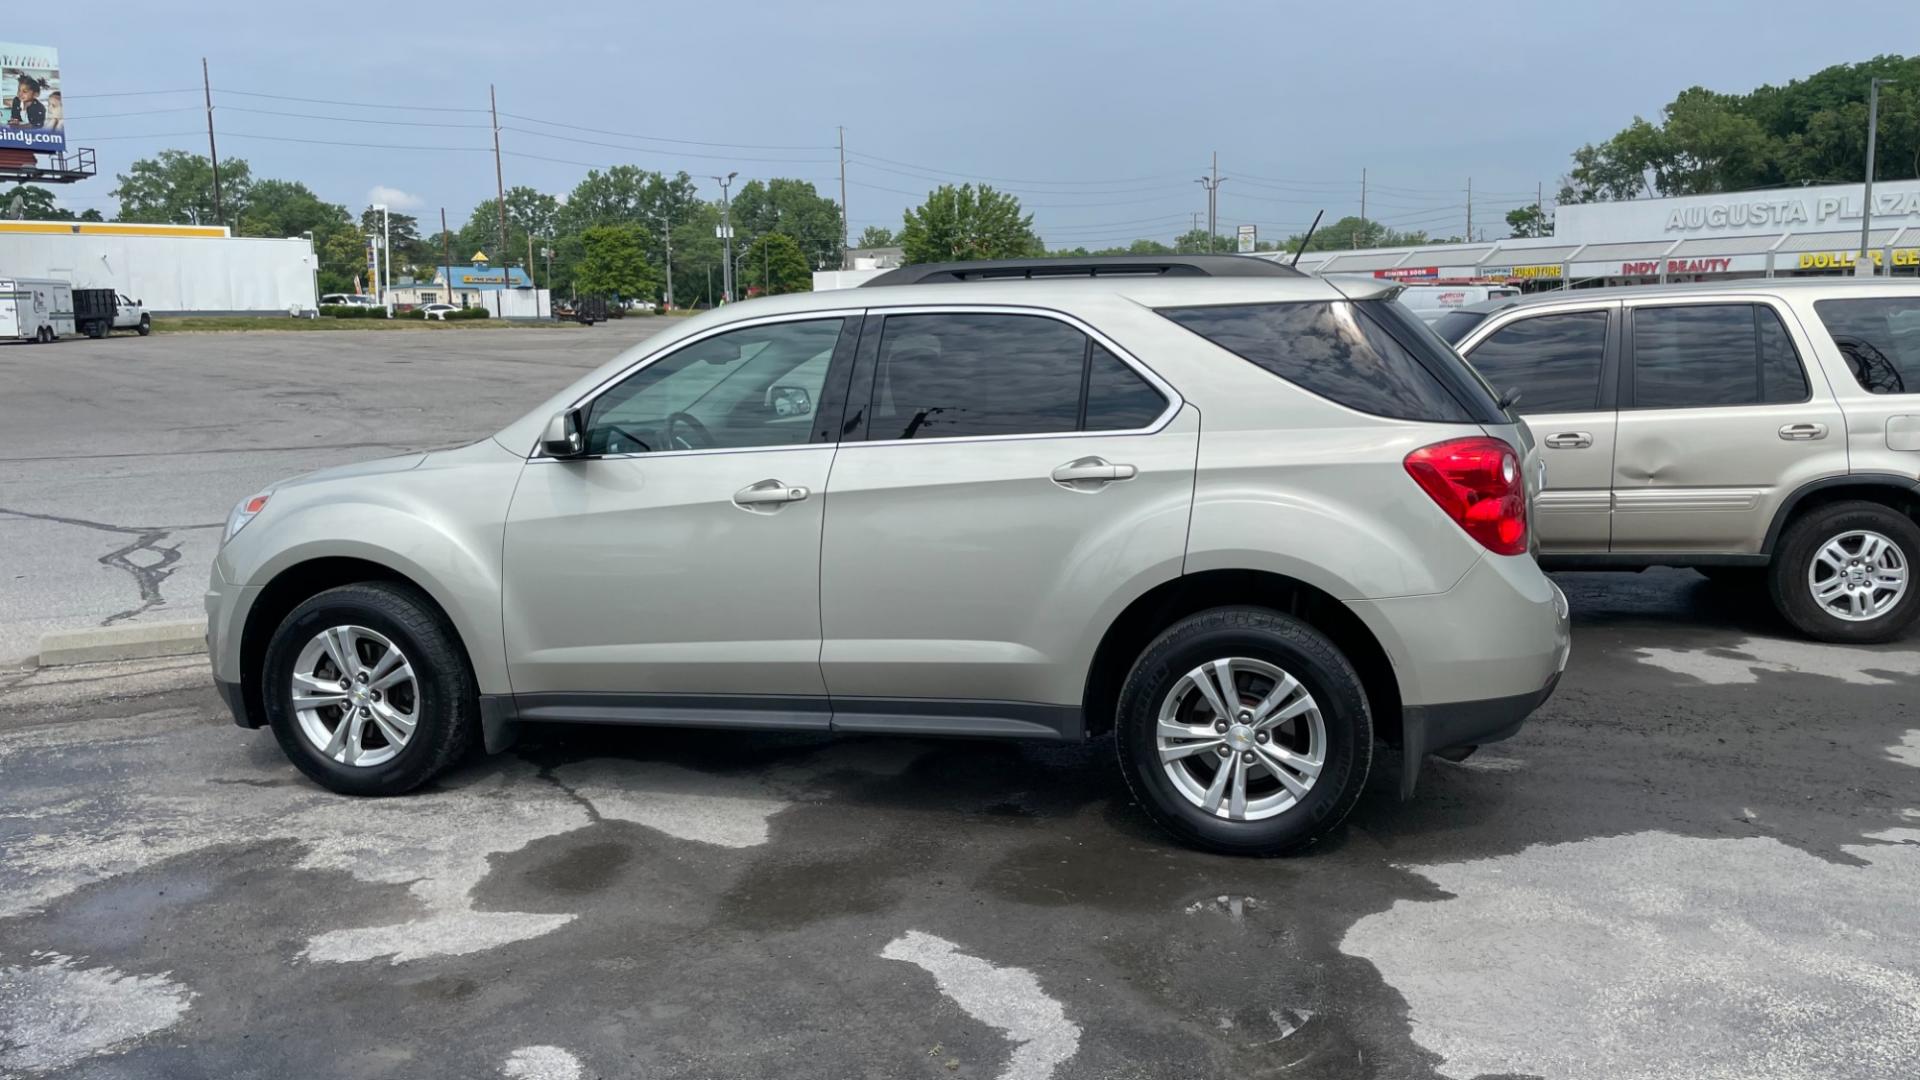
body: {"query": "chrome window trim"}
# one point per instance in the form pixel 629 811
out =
pixel 1175 402
pixel 1489 326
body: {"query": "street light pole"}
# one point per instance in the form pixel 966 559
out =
pixel 666 230
pixel 726 233
pixel 1863 266
pixel 386 253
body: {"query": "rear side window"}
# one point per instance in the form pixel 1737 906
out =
pixel 1454 325
pixel 969 374
pixel 1334 349
pixel 1880 338
pixel 1702 355
pixel 1552 361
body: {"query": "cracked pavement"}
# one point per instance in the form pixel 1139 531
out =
pixel 1701 859
pixel 120 457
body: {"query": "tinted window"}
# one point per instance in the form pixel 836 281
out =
pixel 1334 349
pixel 1118 399
pixel 1713 354
pixel 756 386
pixel 1454 325
pixel 1553 361
pixel 943 376
pixel 1880 337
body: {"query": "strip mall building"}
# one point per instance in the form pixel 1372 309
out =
pixel 1750 234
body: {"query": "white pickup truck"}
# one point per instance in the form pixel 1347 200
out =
pixel 99 312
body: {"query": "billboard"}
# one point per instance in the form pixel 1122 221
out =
pixel 30 98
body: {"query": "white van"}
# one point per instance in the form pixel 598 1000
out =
pixel 1432 301
pixel 35 309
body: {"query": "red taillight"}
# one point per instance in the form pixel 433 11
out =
pixel 256 504
pixel 1477 482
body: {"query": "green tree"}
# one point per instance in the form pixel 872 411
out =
pixel 284 208
pixel 613 263
pixel 176 188
pixel 411 252
pixel 1353 232
pixel 34 203
pixel 1530 220
pixel 791 207
pixel 343 254
pixel 775 265
pixel 968 222
pixel 1808 131
pixel 877 236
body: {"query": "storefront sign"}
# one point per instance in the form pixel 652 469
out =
pixel 1832 208
pixel 1408 273
pixel 1552 271
pixel 1651 267
pixel 1841 260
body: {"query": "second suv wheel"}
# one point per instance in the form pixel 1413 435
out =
pixel 1244 731
pixel 1844 573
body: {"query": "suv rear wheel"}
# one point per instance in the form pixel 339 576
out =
pixel 1244 731
pixel 368 691
pixel 1844 573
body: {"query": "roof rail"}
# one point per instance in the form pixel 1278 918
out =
pixel 1091 266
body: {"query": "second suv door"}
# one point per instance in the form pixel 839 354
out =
pixel 1015 474
pixel 1719 421
pixel 1557 362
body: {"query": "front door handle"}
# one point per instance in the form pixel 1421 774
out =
pixel 1570 440
pixel 1803 432
pixel 769 495
pixel 1087 473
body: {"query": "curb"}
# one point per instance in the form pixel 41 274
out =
pixel 133 642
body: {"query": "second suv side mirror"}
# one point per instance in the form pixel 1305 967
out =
pixel 566 436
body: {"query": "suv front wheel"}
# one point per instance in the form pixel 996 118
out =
pixel 1844 573
pixel 1244 731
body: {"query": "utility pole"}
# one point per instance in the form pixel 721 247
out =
pixel 845 228
pixel 1469 209
pixel 499 183
pixel 386 254
pixel 213 155
pixel 726 234
pixel 446 238
pixel 1363 208
pixel 1211 183
pixel 1863 267
pixel 666 229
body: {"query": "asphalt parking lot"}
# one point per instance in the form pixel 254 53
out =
pixel 1701 858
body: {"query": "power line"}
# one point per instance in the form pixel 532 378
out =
pixel 134 93
pixel 349 119
pixel 1011 180
pixel 338 142
pixel 664 153
pixel 142 112
pixel 656 138
pixel 387 105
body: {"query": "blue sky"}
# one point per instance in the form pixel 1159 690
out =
pixel 1099 115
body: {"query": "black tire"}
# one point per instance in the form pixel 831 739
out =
pixel 448 703
pixel 1794 558
pixel 1297 649
pixel 146 325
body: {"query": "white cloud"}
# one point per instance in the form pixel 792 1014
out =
pixel 394 198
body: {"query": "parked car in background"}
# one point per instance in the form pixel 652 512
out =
pixel 1431 302
pixel 99 312
pixel 437 311
pixel 350 299
pixel 1765 432
pixel 1033 535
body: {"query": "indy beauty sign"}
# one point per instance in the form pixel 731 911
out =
pixel 30 99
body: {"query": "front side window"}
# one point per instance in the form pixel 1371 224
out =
pixel 1332 348
pixel 1552 361
pixel 1703 355
pixel 943 376
pixel 1880 339
pixel 753 387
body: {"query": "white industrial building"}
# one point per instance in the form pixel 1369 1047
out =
pixel 1746 234
pixel 173 269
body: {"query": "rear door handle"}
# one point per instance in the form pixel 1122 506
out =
pixel 1803 432
pixel 769 494
pixel 1091 472
pixel 1570 440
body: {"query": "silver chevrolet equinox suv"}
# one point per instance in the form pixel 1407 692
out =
pixel 1765 432
pixel 1244 520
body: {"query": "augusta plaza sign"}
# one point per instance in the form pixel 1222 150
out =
pixel 1831 208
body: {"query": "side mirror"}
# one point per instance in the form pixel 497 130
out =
pixel 565 436
pixel 790 401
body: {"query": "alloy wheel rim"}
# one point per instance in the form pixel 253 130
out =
pixel 355 696
pixel 1241 739
pixel 1858 576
